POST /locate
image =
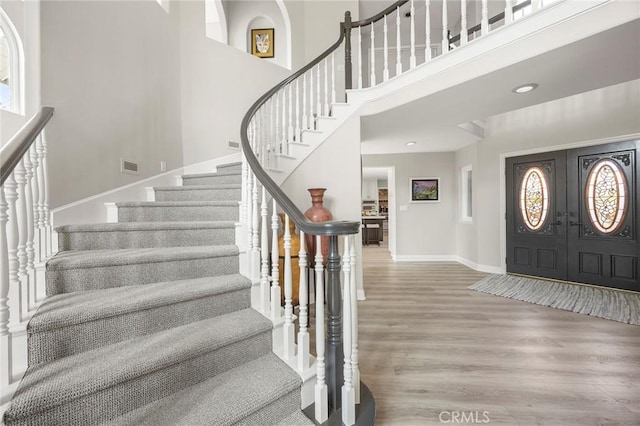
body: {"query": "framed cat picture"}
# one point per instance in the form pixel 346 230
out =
pixel 262 42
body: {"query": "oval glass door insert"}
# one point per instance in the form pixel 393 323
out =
pixel 534 198
pixel 606 196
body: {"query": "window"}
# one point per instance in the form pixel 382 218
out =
pixel 5 88
pixel 10 66
pixel 466 201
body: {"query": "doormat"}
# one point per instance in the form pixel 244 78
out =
pixel 616 305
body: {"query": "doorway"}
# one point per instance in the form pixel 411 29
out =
pixel 572 215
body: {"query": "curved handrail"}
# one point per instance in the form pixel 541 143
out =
pixel 380 15
pixel 18 145
pixel 304 224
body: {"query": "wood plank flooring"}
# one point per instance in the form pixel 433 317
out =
pixel 430 347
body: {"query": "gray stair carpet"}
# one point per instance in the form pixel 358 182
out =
pixel 144 235
pixel 171 211
pixel 148 322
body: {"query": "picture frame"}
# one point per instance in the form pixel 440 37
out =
pixel 263 42
pixel 424 189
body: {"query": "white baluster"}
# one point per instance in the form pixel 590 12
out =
pixel 312 121
pixel 398 43
pixel 464 35
pixel 243 199
pixel 359 57
pixel 355 370
pixel 35 190
pixel 21 249
pixel 45 189
pixel 385 71
pixel 5 338
pixel 508 12
pixel 41 197
pixel 318 98
pixel 326 87
pixel 31 271
pixel 535 5
pixel 484 22
pixel 290 128
pixel 264 252
pixel 275 270
pixel 255 243
pixel 303 298
pixel 348 394
pixel 333 78
pixel 412 59
pixel 289 349
pixel 248 220
pixel 297 131
pixel 445 27
pixel 305 119
pixel 427 31
pixel 283 140
pixel 321 397
pixel 373 57
pixel 15 290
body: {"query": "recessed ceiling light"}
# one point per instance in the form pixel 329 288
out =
pixel 411 143
pixel 525 88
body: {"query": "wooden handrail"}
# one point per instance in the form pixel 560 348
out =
pixel 16 148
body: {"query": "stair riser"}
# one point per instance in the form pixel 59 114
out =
pixel 138 391
pixel 212 180
pixel 82 279
pixel 198 195
pixel 236 168
pixel 145 239
pixel 275 411
pixel 53 344
pixel 174 214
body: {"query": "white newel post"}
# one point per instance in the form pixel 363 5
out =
pixel 264 254
pixel 275 271
pixel 445 29
pixel 289 349
pixel 355 370
pixel 5 339
pixel 412 59
pixel 464 36
pixel 348 394
pixel 303 333
pixel 385 71
pixel 427 30
pixel 321 395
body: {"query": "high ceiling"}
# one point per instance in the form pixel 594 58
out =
pixel 602 60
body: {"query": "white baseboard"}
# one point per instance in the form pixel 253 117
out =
pixel 92 209
pixel 448 258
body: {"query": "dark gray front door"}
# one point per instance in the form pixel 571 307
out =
pixel 572 215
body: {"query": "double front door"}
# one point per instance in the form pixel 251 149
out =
pixel 573 215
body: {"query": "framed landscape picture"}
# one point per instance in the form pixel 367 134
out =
pixel 425 190
pixel 262 42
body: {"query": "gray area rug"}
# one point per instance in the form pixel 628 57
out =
pixel 616 305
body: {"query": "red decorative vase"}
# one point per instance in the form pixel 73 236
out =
pixel 317 213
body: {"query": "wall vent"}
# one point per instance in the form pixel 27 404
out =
pixel 234 145
pixel 130 167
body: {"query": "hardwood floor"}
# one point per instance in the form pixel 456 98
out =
pixel 429 347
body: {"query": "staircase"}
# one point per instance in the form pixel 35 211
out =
pixel 148 322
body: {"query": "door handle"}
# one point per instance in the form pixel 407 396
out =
pixel 572 223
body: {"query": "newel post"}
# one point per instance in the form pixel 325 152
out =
pixel 347 52
pixel 335 352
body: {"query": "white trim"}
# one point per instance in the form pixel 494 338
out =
pixel 537 150
pixel 477 267
pixel 425 258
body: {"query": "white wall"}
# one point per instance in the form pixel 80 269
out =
pixel 599 114
pixel 467 232
pixel 111 71
pixel 424 230
pixel 322 24
pixel 317 171
pixel 218 84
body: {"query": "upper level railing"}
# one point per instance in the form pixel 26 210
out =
pixel 375 50
pixel 25 242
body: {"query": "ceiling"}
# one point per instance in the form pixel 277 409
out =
pixel 602 60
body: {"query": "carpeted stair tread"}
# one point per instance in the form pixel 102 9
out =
pixel 49 385
pixel 146 226
pixel 234 397
pixel 297 418
pixel 104 258
pixel 198 187
pixel 68 309
pixel 214 174
pixel 220 203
